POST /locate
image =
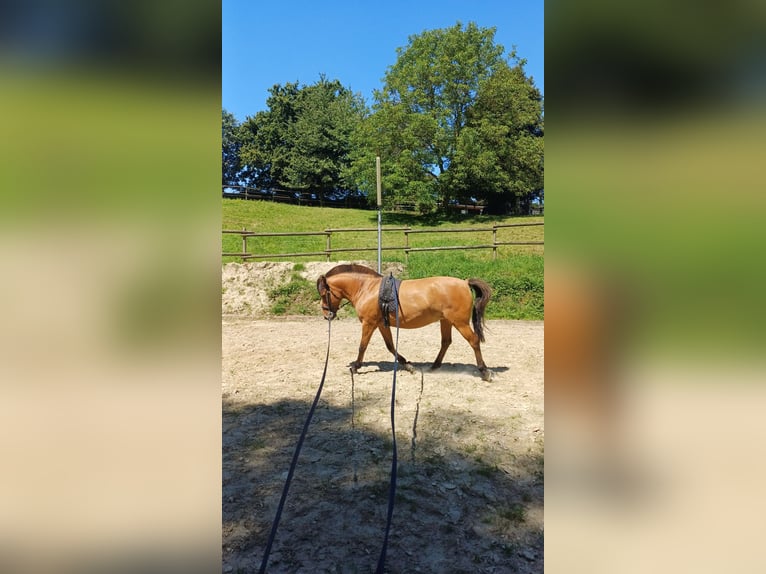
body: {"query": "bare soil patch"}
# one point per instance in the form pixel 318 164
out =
pixel 470 477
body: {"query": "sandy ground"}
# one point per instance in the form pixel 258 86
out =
pixel 470 475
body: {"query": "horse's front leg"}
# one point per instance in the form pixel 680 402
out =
pixel 385 332
pixel 367 331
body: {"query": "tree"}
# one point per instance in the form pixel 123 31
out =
pixel 231 144
pixel 440 122
pixel 499 153
pixel 303 140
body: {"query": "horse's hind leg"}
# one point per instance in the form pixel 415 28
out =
pixel 473 340
pixel 385 332
pixel 446 328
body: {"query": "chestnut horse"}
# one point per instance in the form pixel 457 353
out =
pixel 421 302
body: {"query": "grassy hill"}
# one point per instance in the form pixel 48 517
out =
pixel 516 276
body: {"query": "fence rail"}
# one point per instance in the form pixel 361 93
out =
pixel 293 197
pixel 316 198
pixel 406 248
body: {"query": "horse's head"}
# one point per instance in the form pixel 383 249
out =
pixel 330 301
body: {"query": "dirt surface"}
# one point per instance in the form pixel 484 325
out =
pixel 469 494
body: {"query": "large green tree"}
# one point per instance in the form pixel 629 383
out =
pixel 230 141
pixel 303 140
pixel 456 118
pixel 499 153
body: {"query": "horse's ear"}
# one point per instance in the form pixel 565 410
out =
pixel 322 285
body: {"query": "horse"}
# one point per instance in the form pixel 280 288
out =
pixel 421 302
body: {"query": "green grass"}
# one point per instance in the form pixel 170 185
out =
pixel 516 276
pixel 297 297
pixel 264 216
pixel 505 519
pixel 516 513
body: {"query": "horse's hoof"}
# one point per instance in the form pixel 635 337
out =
pixel 486 375
pixel 408 367
pixel 436 366
pixel 353 368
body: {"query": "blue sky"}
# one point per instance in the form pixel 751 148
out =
pixel 267 43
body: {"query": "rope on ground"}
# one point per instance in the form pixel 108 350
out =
pixel 354 437
pixel 392 486
pixel 294 462
pixel 413 445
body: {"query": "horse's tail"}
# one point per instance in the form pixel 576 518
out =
pixel 483 293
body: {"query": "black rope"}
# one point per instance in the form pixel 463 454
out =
pixel 392 486
pixel 294 462
pixel 296 454
pixel 415 420
pixel 354 438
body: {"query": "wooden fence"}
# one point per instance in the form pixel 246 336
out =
pixel 407 248
pixel 294 197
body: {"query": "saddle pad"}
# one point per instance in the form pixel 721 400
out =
pixel 387 296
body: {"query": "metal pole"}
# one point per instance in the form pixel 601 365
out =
pixel 407 245
pixel 380 205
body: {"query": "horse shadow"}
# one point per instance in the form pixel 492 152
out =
pixel 425 368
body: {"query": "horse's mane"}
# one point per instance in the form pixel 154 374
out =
pixel 352 268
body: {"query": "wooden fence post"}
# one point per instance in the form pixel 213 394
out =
pixel 494 242
pixel 244 240
pixel 328 244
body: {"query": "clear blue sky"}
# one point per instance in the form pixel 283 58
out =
pixel 267 43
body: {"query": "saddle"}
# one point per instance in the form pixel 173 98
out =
pixel 388 300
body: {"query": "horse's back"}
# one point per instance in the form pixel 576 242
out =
pixel 437 281
pixel 435 288
pixel 431 299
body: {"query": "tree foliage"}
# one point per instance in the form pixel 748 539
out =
pixel 303 140
pixel 456 119
pixel 499 153
pixel 231 164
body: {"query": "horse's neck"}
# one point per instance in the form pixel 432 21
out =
pixel 351 287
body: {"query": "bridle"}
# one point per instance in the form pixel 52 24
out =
pixel 326 295
pixel 327 304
